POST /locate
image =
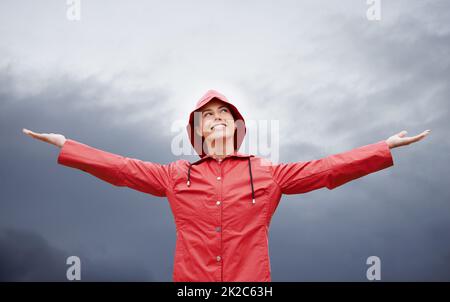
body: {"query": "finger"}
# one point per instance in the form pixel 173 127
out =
pixel 423 134
pixel 39 136
pixel 34 134
pixel 26 131
pixel 416 138
pixel 29 132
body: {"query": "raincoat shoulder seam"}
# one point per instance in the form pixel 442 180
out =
pixel 274 179
pixel 169 171
pixel 172 165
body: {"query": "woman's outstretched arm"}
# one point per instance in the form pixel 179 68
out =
pixel 115 169
pixel 338 169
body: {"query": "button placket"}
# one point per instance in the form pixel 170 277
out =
pixel 218 227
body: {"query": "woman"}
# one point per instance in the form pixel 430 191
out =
pixel 223 203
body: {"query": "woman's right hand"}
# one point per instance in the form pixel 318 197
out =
pixel 51 138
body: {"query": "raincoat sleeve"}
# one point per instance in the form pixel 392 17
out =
pixel 117 170
pixel 332 171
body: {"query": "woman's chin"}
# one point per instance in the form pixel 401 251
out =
pixel 220 135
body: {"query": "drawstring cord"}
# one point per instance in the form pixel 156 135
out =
pixel 251 180
pixel 189 175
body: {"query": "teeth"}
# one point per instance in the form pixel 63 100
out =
pixel 212 128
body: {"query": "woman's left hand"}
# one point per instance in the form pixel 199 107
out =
pixel 400 139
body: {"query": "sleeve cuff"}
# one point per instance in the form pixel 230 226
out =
pixel 386 153
pixel 66 150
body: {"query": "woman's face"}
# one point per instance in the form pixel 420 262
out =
pixel 216 121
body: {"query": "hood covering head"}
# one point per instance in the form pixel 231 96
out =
pixel 196 140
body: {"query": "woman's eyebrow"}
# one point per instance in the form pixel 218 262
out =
pixel 206 110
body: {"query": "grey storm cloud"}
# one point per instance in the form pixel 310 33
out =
pixel 27 256
pixel 333 79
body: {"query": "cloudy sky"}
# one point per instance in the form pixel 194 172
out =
pixel 127 73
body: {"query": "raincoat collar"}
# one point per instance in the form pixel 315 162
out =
pixel 234 154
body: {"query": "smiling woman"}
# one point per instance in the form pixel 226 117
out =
pixel 217 127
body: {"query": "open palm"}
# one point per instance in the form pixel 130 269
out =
pixel 51 138
pixel 400 139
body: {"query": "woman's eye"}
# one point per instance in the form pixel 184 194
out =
pixel 226 110
pixel 206 114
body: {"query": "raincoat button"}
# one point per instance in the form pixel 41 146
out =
pixel 218 229
pixel 218 203
pixel 218 258
pixel 219 178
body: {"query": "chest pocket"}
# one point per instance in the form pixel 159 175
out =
pixel 241 213
pixel 194 202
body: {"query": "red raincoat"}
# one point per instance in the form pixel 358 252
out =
pixel 222 209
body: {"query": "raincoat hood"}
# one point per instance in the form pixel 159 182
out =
pixel 196 140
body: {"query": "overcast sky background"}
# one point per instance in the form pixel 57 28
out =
pixel 119 78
